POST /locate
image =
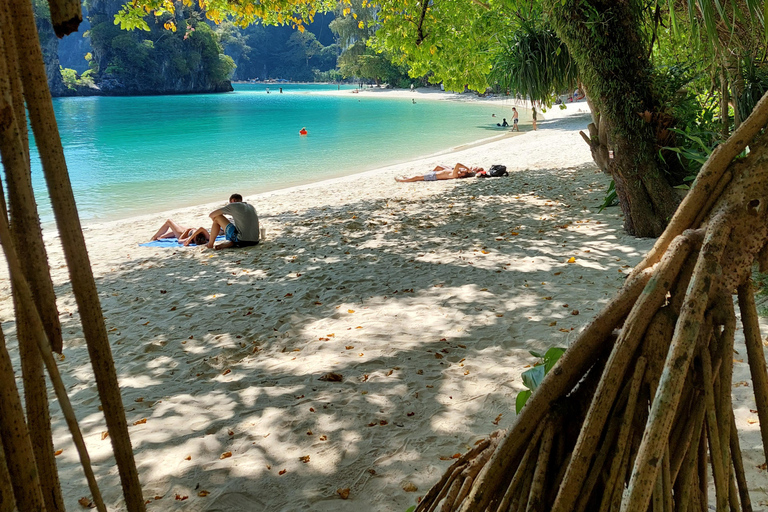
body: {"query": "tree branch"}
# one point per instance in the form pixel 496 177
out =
pixel 420 26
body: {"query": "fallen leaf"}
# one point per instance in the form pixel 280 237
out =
pixel 227 371
pixel 203 493
pixel 410 414
pixel 343 493
pixel 310 433
pixel 410 487
pixel 383 422
pixel 304 458
pixel 139 400
pixel 498 418
pixel 140 422
pixel 571 260
pixel 438 355
pixel 499 315
pixel 552 324
pixel 350 311
pixel 104 435
pixel 513 233
pixel 86 503
pixel 225 455
pixel 349 347
pixel 575 312
pixel 741 383
pixel 179 497
pixel 547 298
pixel 557 273
pixel 323 438
pixel 332 377
pixel 751 421
pixel 188 457
pixel 282 472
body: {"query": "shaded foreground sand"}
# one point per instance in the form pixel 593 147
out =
pixel 424 297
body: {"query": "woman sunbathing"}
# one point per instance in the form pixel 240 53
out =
pixel 444 172
pixel 186 236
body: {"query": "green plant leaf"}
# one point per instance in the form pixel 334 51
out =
pixel 536 354
pixel 522 398
pixel 551 357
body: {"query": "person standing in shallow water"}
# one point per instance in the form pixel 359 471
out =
pixel 243 231
pixel 515 120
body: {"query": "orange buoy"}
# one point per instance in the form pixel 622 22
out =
pixel 303 131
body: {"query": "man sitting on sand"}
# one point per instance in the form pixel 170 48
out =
pixel 444 172
pixel 242 231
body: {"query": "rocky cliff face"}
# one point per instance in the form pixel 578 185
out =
pixel 138 62
pixel 50 46
pixel 156 62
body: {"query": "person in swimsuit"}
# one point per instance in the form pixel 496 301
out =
pixel 186 236
pixel 443 172
pixel 515 120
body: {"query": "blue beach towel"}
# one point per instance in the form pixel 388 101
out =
pixel 173 243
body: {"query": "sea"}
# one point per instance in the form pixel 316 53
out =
pixel 135 155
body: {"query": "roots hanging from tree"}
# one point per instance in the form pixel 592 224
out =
pixel 640 405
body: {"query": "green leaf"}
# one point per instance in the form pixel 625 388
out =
pixel 522 398
pixel 411 509
pixel 551 357
pixel 536 354
pixel 532 378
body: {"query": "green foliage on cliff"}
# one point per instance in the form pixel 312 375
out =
pixel 279 52
pixel 355 25
pixel 160 59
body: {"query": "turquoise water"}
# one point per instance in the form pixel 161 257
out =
pixel 135 155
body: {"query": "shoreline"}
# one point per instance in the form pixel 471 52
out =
pixel 95 213
pixel 428 94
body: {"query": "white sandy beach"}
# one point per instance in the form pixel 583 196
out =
pixel 424 297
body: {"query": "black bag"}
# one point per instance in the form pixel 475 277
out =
pixel 497 171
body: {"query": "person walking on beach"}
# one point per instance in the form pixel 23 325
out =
pixel 515 119
pixel 443 172
pixel 243 231
pixel 533 115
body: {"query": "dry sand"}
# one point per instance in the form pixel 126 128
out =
pixel 424 297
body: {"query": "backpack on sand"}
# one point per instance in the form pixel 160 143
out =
pixel 497 171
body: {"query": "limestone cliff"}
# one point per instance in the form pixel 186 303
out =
pixel 50 46
pixel 189 60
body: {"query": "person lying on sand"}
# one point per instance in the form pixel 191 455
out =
pixel 186 236
pixel 444 172
pixel 242 231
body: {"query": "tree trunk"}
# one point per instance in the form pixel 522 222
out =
pixel 605 39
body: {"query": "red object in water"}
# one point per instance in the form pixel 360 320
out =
pixel 303 131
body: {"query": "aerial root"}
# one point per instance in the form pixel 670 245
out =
pixel 642 427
